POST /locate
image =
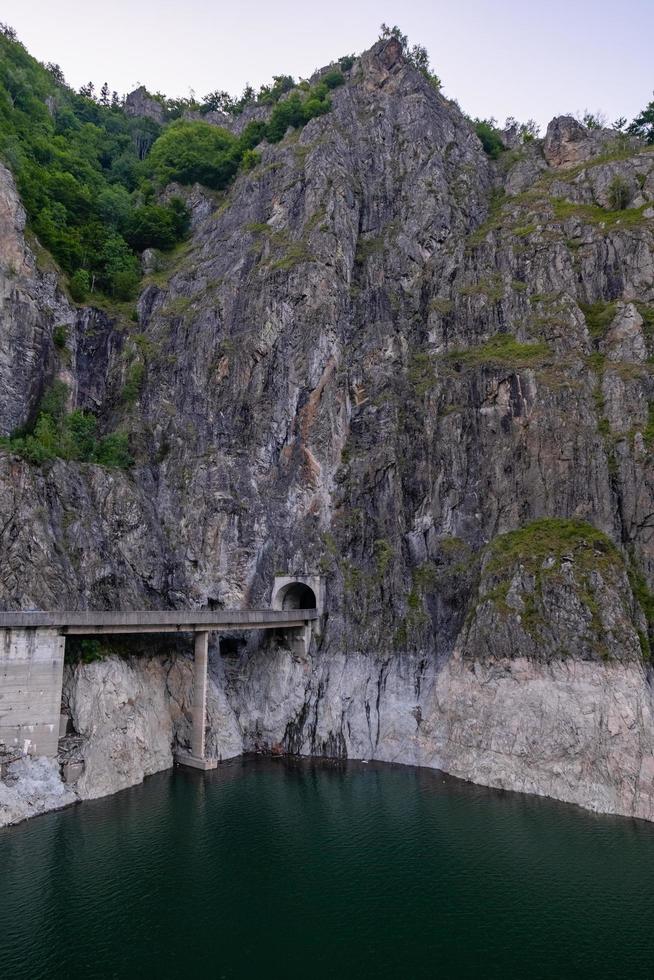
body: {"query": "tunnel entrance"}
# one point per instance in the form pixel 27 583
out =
pixel 296 595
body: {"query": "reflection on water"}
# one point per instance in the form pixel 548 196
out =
pixel 272 868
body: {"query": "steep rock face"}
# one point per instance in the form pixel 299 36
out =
pixel 30 306
pixel 376 353
pixel 123 716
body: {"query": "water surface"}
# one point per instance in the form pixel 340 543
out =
pixel 267 868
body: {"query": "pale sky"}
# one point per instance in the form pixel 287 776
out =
pixel 496 57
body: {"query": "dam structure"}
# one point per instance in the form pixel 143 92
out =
pixel 32 650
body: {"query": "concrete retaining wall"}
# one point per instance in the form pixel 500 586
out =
pixel 31 670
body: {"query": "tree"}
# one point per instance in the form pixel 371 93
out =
pixel 151 226
pixel 489 136
pixel 195 151
pixel 416 55
pixel 80 285
pixel 386 32
pixel 115 100
pixel 269 94
pixel 104 95
pixel 594 120
pixel 8 32
pixel 119 271
pixel 643 124
pixel 88 90
pixel 218 101
pixel 56 72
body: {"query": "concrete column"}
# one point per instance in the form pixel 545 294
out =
pixel 31 672
pixel 196 758
pixel 200 694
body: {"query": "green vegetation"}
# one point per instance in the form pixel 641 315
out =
pixel 490 137
pixel 78 165
pixel 593 214
pixel 540 548
pixel 645 599
pixel 439 304
pixel 643 124
pixel 60 336
pixel 384 555
pixel 598 317
pixel 415 54
pixel 196 151
pixel 68 435
pixel 421 374
pixel 619 194
pixel 220 101
pixel 648 431
pixel 552 537
pixel 503 350
pixel 85 170
pixel 491 287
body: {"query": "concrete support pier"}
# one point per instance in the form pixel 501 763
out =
pixel 31 671
pixel 197 758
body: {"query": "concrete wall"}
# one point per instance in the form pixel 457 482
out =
pixel 31 669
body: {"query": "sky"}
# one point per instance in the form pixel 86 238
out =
pixel 524 58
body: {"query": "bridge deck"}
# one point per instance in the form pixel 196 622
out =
pixel 158 621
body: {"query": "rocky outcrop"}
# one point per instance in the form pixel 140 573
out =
pixel 141 104
pixel 30 787
pixel 121 712
pixel 379 351
pixel 568 142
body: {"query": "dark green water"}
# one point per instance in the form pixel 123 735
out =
pixel 272 869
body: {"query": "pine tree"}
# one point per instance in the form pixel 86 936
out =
pixel 104 95
pixel 56 72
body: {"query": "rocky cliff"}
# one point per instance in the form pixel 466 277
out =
pixel 379 352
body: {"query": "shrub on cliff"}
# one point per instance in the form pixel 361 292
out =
pixel 490 137
pixel 58 433
pixel 191 152
pixel 619 194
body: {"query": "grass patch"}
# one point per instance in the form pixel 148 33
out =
pixel 593 214
pixel 503 350
pixel 553 537
pixel 421 373
pixel 296 254
pixel 647 313
pixel 492 288
pixel 493 222
pixel 367 247
pixel 648 431
pixel 598 317
pixel 441 305
pixel 522 231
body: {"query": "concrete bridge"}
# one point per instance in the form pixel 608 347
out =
pixel 32 648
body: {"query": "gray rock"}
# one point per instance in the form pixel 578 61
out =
pixel 31 787
pixel 140 103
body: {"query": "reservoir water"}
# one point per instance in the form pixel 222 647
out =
pixel 278 869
